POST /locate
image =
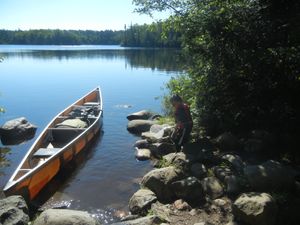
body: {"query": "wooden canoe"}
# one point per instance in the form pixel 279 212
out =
pixel 56 146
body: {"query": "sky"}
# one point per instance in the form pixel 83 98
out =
pixel 71 14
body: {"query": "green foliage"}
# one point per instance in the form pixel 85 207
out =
pixel 163 163
pixel 166 120
pixel 244 60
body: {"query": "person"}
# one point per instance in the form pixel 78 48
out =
pixel 183 120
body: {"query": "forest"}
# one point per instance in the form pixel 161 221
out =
pixel 133 36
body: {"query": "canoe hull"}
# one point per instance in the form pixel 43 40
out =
pixel 31 185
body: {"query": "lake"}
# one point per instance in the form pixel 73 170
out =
pixel 39 81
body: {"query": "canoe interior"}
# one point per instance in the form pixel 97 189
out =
pixel 53 139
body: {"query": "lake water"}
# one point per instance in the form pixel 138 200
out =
pixel 39 81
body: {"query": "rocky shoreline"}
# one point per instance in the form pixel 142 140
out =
pixel 225 180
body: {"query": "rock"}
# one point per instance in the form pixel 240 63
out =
pixel 212 187
pixel 142 154
pixel 141 115
pixel 141 144
pixel 64 217
pixel 162 211
pixel 13 211
pixel 198 170
pixel 159 181
pixel 161 149
pixel 182 205
pixel 156 128
pixel 148 220
pixel 202 156
pixel 227 142
pixel 17 131
pixel 201 223
pixel 139 126
pixel 232 184
pixel 177 159
pixel 141 201
pixel 189 189
pixel 222 172
pixel 269 176
pixel 254 146
pixel 255 209
pixel 236 161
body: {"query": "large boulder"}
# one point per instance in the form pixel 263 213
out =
pixel 212 187
pixel 161 149
pixel 157 133
pixel 176 159
pixel 141 201
pixel 235 161
pixel 255 209
pixel 139 126
pixel 17 131
pixel 189 189
pixel 253 145
pixel 13 211
pixel 268 176
pixel 227 142
pixel 142 154
pixel 64 217
pixel 148 220
pixel 141 144
pixel 198 170
pixel 159 181
pixel 230 180
pixel 141 115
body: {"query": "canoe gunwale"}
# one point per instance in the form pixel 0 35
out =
pixel 11 183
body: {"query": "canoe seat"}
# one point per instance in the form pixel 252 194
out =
pixel 91 104
pixel 45 152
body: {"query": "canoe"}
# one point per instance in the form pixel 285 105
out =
pixel 62 139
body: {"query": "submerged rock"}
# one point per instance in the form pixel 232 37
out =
pixel 17 131
pixel 139 126
pixel 141 115
pixel 64 217
pixel 141 201
pixel 256 209
pixel 13 211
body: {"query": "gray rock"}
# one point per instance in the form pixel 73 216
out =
pixel 141 201
pixel 64 217
pixel 148 220
pixel 156 128
pixel 139 126
pixel 17 131
pixel 13 211
pixel 202 156
pixel 198 170
pixel 142 154
pixel 255 209
pixel 189 189
pixel 141 115
pixel 181 205
pixel 161 149
pixel 222 172
pixel 159 181
pixel 232 184
pixel 236 161
pixel 254 146
pixel 162 211
pixel 141 144
pixel 227 142
pixel 177 159
pixel 269 176
pixel 212 187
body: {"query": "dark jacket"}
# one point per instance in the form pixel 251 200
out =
pixel 183 117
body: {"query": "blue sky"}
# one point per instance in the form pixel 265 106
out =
pixel 70 14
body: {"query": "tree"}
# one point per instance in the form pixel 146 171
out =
pixel 244 61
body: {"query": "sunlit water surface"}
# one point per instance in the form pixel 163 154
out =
pixel 39 81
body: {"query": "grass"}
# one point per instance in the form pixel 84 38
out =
pixel 166 120
pixel 162 163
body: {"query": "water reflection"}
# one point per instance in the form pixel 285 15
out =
pixel 4 162
pixel 156 59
